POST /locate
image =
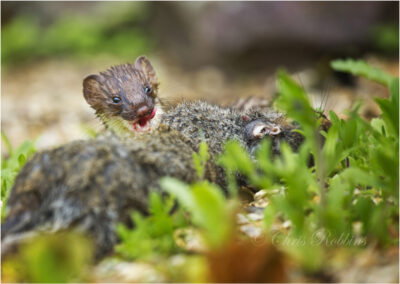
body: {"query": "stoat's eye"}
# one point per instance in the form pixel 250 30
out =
pixel 147 90
pixel 116 100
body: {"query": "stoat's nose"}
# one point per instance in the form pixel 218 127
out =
pixel 143 111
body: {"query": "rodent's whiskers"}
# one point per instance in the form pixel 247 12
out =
pixel 304 88
pixel 300 81
pixel 324 95
pixel 325 98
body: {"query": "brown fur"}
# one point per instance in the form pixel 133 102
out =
pixel 127 82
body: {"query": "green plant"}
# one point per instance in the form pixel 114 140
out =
pixel 208 208
pixel 355 177
pixel 361 68
pixel 204 203
pixel 200 159
pixel 352 184
pixel 386 38
pixel 118 31
pixel 11 165
pixel 59 258
pixel 152 235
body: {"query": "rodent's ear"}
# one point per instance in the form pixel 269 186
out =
pixel 259 129
pixel 246 118
pixel 91 88
pixel 144 65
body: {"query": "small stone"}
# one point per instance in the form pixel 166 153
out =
pixel 260 203
pixel 241 219
pixel 260 194
pixel 113 270
pixel 189 239
pixel 254 209
pixel 251 230
pixel 255 216
pixel 287 224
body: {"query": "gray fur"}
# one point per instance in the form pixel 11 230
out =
pixel 92 185
pixel 201 121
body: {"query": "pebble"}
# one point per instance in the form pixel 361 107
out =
pixel 112 270
pixel 256 216
pixel 251 230
pixel 241 219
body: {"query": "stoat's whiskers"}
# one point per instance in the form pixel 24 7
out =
pixel 125 128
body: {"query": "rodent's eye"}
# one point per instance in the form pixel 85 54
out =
pixel 116 100
pixel 147 90
pixel 276 130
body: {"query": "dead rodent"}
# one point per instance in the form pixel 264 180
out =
pixel 94 184
pixel 201 121
pixel 125 97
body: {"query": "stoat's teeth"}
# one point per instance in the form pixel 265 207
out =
pixel 146 127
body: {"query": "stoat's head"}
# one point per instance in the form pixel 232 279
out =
pixel 125 96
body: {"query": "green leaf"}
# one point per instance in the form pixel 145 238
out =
pixel 206 204
pixel 200 159
pixel 180 190
pixel 236 158
pixel 211 212
pixel 6 142
pixel 378 125
pixel 294 101
pixel 335 213
pixel 152 235
pixel 356 176
pixel 361 68
pixel 332 149
pixel 52 258
pixel 363 209
pixel 349 133
pixel 21 159
pixel 11 166
pixel 334 118
pixel 386 37
pixel 269 216
pixel 394 99
pixel 388 116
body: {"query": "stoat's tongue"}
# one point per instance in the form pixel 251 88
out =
pixel 143 124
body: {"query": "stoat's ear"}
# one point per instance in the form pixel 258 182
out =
pixel 92 89
pixel 144 65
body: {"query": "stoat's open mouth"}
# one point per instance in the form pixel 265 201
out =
pixel 144 123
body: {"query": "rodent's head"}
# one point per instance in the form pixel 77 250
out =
pixel 260 125
pixel 276 130
pixel 124 96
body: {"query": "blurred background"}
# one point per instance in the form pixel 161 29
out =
pixel 222 52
